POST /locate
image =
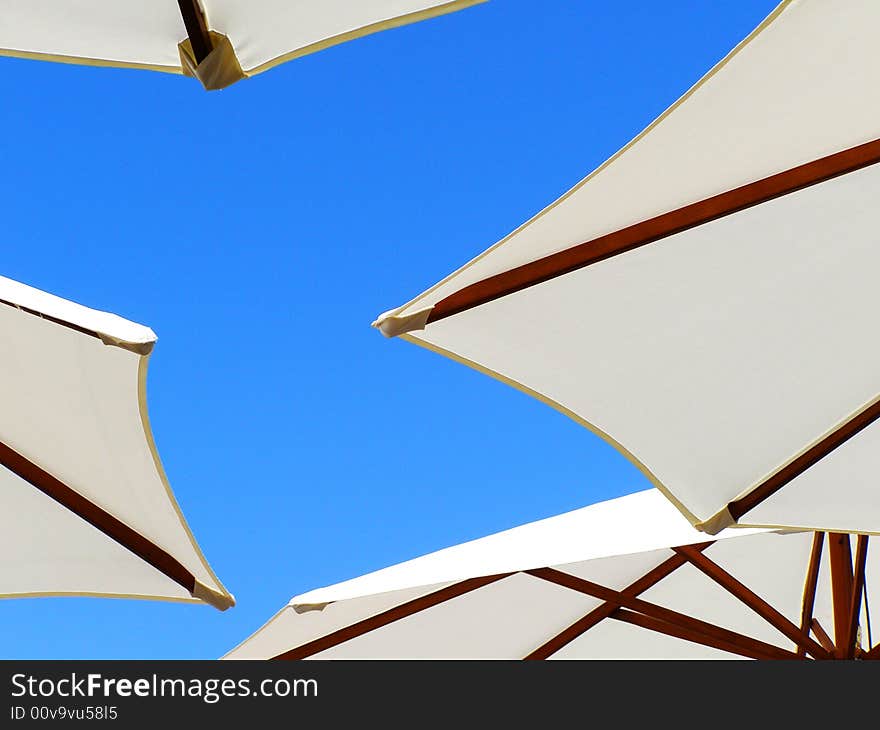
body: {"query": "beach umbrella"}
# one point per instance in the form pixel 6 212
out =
pixel 627 578
pixel 217 41
pixel 85 507
pixel 706 299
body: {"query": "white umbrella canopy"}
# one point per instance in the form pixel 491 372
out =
pixel 85 506
pixel 705 300
pixel 218 41
pixel 627 578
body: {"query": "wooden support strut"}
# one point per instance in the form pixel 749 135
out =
pixel 810 588
pixel 822 636
pixel 599 613
pixel 686 634
pixel 747 646
pixel 753 601
pixel 196 28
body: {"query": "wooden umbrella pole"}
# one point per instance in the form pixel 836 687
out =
pixel 840 558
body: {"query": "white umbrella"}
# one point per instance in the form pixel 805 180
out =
pixel 85 507
pixel 706 299
pixel 218 41
pixel 627 578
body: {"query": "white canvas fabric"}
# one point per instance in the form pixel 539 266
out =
pixel 73 388
pixel 146 34
pixel 612 543
pixel 713 357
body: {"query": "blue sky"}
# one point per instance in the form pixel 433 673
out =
pixel 260 229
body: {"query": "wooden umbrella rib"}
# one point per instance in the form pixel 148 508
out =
pixel 141 348
pixel 665 615
pixel 397 613
pixel 55 320
pixel 753 601
pixel 798 466
pixel 810 583
pixel 97 517
pixel 695 637
pixel 655 229
pixel 196 28
pixel 603 611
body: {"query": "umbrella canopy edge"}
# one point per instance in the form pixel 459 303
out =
pixel 363 31
pixel 408 308
pixel 222 598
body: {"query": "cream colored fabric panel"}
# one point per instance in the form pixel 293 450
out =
pixel 514 616
pixel 714 356
pixel 619 571
pixel 295 626
pixel 46 549
pixel 263 31
pixel 637 523
pixel 505 620
pixel 617 640
pixel 75 407
pixel 793 93
pixel 841 489
pixel 120 31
